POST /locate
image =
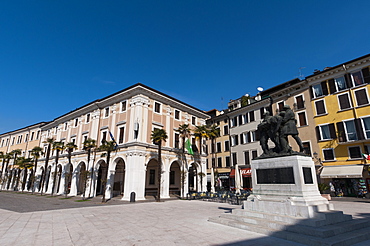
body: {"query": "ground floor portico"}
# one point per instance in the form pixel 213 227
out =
pixel 126 173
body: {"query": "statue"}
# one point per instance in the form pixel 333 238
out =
pixel 277 128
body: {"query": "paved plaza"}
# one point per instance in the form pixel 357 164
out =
pixel 27 219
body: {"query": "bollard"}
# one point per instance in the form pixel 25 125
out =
pixel 132 197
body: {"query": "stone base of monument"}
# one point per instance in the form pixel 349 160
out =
pixel 286 203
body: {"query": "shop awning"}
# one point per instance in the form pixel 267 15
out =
pixel 342 172
pixel 246 172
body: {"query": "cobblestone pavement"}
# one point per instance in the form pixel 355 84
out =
pixel 33 220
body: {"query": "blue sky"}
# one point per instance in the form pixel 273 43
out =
pixel 59 55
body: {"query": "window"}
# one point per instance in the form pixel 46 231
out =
pixel 328 154
pixel 354 152
pixel 340 83
pixel 319 90
pixel 87 118
pixel 227 161
pixel 26 138
pixel 123 106
pixel 106 112
pixel 350 129
pixel 281 106
pixel 235 160
pixel 246 157
pixel 246 137
pixel 32 135
pixel 299 102
pixel 306 148
pixel 302 119
pixel 366 126
pixel 151 176
pixel 253 136
pixel 104 137
pixel 73 140
pixel 251 116
pixel 325 132
pixel 227 145
pixel 320 107
pixel 361 97
pixel 172 177
pixel 76 122
pixel 38 135
pixel 157 107
pixel 65 126
pixel 344 102
pixel 254 154
pixel 193 121
pixel 219 162
pixel 226 130
pixel 121 135
pixel 357 78
pixel 234 140
pixel 218 146
pixel 177 141
pixel 234 121
pixel 240 117
pixel 177 114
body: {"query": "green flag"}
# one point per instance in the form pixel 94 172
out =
pixel 188 147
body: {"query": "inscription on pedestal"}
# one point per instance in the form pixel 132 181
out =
pixel 307 175
pixel 283 175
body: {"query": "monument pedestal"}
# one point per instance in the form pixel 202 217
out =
pixel 286 203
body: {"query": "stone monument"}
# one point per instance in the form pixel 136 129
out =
pixel 286 202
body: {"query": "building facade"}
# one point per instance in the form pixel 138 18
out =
pixel 127 117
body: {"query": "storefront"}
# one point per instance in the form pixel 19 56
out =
pixel 346 180
pixel 246 173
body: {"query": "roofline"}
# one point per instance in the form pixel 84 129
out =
pixel 30 126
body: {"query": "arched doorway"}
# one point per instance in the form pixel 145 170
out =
pixel 68 178
pixel 59 176
pixel 193 178
pixel 81 178
pixel 47 178
pixel 23 179
pixel 175 179
pixel 151 181
pixel 31 180
pixel 119 178
pixel 40 177
pixel 102 177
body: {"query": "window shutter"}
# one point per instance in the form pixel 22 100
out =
pixel 236 140
pixel 246 118
pixel 341 132
pixel 317 128
pixel 249 137
pixel 332 87
pixel 333 135
pixel 359 131
pixel 257 135
pixel 241 139
pixel 366 75
pixel 324 88
pixel 348 79
pixel 262 110
pixel 361 97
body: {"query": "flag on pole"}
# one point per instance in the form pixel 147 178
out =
pixel 366 156
pixel 115 143
pixel 188 147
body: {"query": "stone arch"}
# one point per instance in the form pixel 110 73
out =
pixel 102 174
pixel 59 177
pixel 151 180
pixel 119 177
pixel 68 173
pixel 80 177
pixel 31 179
pixel 39 179
pixel 47 178
pixel 175 178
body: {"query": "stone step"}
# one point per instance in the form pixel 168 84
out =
pixel 353 235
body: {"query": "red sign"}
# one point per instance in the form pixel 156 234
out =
pixel 246 172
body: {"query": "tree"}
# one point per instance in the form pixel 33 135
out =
pixel 108 147
pixel 49 141
pixel 36 152
pixel 6 159
pixel 200 132
pixel 184 132
pixel 70 147
pixel 89 145
pixel 58 147
pixel 159 135
pixel 24 164
pixel 2 156
pixel 213 132
pixel 15 153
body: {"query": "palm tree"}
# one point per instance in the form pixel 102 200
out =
pixel 15 153
pixel 70 147
pixel 200 132
pixel 58 147
pixel 184 132
pixel 108 147
pixel 6 159
pixel 213 132
pixel 50 142
pixel 2 155
pixel 36 152
pixel 24 164
pixel 159 135
pixel 89 145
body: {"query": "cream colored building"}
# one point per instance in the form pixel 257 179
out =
pixel 129 116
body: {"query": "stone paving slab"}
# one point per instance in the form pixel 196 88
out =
pixel 172 222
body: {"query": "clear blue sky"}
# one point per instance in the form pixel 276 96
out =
pixel 56 56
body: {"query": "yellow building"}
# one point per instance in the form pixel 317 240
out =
pixel 340 99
